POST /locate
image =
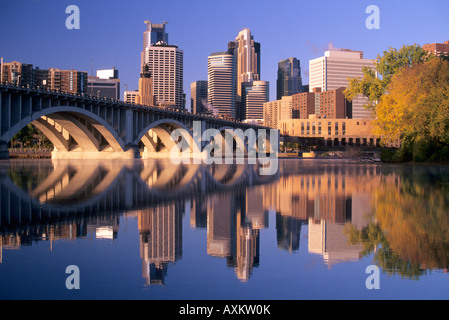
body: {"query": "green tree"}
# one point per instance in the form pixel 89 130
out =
pixel 374 83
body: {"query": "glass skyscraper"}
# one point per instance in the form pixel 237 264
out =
pixel 289 81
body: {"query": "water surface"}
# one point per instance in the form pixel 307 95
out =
pixel 153 230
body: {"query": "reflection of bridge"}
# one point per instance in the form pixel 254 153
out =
pixel 74 188
pixel 82 127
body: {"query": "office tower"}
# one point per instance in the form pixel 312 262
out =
pixel 198 97
pixel 289 79
pixel 438 49
pixel 333 70
pixel 275 111
pixel 131 96
pixel 155 33
pixel 146 96
pixel 247 53
pixel 254 95
pixel 165 63
pixel 18 73
pixel 221 84
pixel 105 84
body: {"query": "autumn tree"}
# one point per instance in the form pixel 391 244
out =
pixel 415 110
pixel 374 82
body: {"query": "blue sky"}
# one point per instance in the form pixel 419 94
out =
pixel 111 32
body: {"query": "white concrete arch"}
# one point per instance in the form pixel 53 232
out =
pixel 110 135
pixel 161 130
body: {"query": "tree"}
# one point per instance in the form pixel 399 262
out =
pixel 416 107
pixel 374 83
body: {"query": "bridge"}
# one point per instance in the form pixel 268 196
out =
pixel 87 127
pixel 73 189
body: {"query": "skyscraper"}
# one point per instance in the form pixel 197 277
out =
pixel 247 53
pixel 289 81
pixel 221 86
pixel 165 63
pixel 254 95
pixel 146 96
pixel 333 70
pixel 198 97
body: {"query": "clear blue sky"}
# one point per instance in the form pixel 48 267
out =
pixel 110 34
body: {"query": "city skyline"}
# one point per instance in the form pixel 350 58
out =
pixel 304 33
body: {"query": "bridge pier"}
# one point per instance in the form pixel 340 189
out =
pixel 4 153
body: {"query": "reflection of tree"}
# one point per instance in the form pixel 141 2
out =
pixel 411 233
pixel 373 239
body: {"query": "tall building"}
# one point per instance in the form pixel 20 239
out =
pixel 438 49
pixel 165 63
pixel 221 85
pixel 275 111
pixel 247 53
pixel 289 81
pixel 198 97
pixel 146 96
pixel 105 84
pixel 333 70
pixel 254 95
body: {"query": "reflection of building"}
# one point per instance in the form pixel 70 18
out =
pixel 326 198
pixel 288 232
pixel 160 231
pixel 330 240
pixel 234 221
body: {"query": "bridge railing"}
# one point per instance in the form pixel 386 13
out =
pixel 45 89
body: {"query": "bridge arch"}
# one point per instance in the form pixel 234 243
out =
pixel 162 130
pixel 68 118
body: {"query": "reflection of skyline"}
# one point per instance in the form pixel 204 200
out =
pixel 230 203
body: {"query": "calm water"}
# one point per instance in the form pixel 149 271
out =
pixel 154 230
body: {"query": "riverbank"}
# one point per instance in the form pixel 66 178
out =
pixel 31 153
